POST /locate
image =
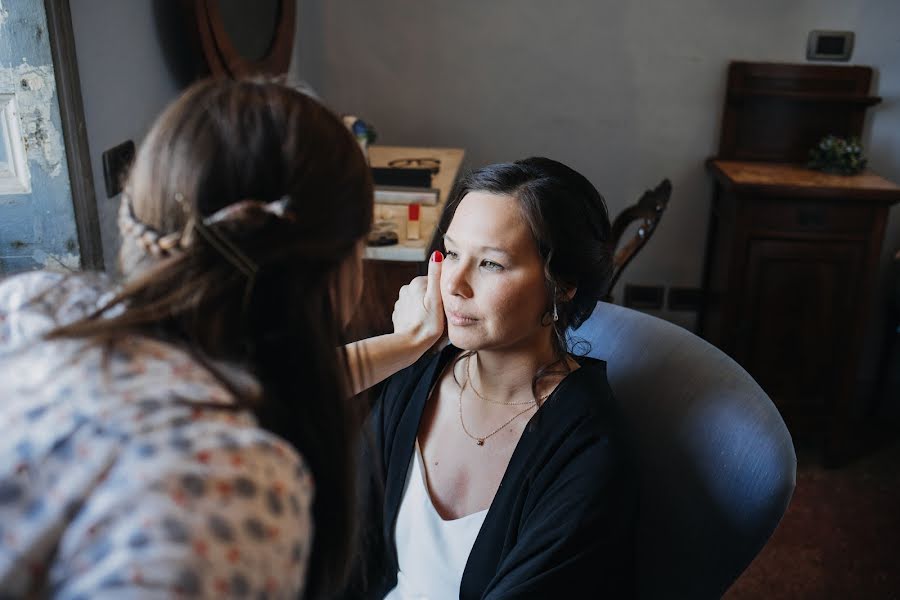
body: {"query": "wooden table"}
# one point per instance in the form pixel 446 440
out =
pixel 791 265
pixel 387 268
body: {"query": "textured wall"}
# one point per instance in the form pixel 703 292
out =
pixel 36 229
pixel 625 92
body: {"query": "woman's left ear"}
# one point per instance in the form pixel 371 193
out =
pixel 570 293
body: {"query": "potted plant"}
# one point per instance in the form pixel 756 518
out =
pixel 837 155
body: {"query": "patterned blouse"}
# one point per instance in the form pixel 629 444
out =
pixel 113 486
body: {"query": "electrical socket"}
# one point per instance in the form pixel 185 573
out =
pixel 116 162
pixel 684 298
pixel 644 297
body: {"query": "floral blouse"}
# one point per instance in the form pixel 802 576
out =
pixel 112 485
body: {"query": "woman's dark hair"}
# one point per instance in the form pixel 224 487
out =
pixel 570 225
pixel 220 143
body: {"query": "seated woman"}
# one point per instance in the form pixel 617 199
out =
pixel 185 434
pixel 499 469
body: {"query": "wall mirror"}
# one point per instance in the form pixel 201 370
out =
pixel 240 38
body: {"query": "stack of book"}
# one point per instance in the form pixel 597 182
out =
pixel 404 186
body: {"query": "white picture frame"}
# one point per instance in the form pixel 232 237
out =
pixel 15 178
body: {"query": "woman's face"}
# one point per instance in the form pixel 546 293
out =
pixel 492 280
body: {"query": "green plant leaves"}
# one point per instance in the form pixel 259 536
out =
pixel 834 154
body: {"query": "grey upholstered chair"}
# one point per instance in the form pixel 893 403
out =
pixel 716 463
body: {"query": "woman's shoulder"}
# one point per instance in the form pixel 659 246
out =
pixel 582 430
pixel 17 291
pixel 419 375
pixel 202 479
pixel 583 409
pixel 406 392
pixel 595 366
pixel 587 386
pixel 33 303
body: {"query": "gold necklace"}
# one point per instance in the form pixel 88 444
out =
pixel 479 440
pixel 477 393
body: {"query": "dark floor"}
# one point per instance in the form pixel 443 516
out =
pixel 840 537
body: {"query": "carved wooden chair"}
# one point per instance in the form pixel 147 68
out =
pixel 648 210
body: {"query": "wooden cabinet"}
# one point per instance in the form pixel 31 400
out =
pixel 791 266
pixel 792 254
pixel 800 295
pixel 382 280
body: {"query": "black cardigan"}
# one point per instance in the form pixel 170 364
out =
pixel 562 523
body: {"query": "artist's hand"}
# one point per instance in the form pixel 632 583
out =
pixel 419 310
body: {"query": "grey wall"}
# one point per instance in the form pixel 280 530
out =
pixel 625 92
pixel 36 229
pixel 126 80
pixel 131 63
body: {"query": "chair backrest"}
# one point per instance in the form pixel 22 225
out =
pixel 716 463
pixel 648 211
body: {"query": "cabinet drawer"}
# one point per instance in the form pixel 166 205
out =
pixel 811 217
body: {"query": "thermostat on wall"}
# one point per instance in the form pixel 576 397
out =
pixel 829 45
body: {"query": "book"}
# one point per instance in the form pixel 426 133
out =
pixel 395 194
pixel 405 176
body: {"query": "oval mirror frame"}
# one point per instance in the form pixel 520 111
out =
pixel 223 57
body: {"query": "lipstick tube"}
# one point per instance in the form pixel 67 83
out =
pixel 413 230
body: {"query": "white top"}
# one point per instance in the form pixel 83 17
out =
pixel 431 552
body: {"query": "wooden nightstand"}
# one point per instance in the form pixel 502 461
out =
pixel 791 268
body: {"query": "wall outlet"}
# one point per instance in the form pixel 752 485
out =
pixel 116 162
pixel 829 45
pixel 644 297
pixel 684 298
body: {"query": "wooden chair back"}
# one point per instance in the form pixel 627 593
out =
pixel 647 211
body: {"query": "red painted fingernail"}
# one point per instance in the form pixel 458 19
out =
pixel 437 256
